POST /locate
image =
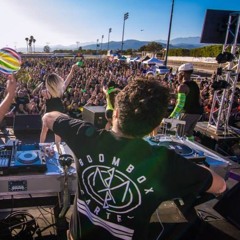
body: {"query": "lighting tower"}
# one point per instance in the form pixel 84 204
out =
pixel 125 17
pixel 109 31
pixel 223 98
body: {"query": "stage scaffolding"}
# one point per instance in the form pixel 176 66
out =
pixel 223 98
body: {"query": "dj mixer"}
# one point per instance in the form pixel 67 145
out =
pixel 18 158
pixel 33 169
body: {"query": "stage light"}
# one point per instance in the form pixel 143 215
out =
pixel 224 57
pixel 220 84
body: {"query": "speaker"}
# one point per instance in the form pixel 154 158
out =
pixel 27 123
pixel 95 115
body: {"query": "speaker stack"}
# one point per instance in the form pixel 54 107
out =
pixel 95 115
pixel 27 123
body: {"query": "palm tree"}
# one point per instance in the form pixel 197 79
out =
pixel 26 39
pixel 34 40
pixel 30 43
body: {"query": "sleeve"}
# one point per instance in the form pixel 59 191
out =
pixel 72 130
pixel 179 106
pixel 185 177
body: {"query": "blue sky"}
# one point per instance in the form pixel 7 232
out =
pixel 69 21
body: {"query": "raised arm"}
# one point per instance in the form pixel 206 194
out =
pixel 37 88
pixel 69 76
pixel 104 89
pixel 7 101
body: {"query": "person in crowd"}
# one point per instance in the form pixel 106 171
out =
pixel 122 179
pixel 189 107
pixel 89 81
pixel 74 111
pixel 110 92
pixel 22 100
pixel 9 97
pixel 33 108
pixel 21 110
pixel 55 87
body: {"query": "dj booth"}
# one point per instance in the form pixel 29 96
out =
pixel 33 169
pixel 32 175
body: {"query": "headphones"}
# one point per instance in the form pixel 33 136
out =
pixel 65 160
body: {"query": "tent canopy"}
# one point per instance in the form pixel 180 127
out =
pixel 134 59
pixel 154 60
pixel 144 58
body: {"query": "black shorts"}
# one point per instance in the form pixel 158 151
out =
pixel 108 114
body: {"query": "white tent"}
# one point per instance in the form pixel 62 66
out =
pixel 154 60
pixel 134 59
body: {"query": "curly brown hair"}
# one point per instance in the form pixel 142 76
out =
pixel 141 104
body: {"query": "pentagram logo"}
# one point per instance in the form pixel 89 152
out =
pixel 110 188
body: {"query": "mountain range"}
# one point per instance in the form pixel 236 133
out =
pixel 188 43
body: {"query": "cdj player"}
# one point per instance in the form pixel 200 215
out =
pixel 192 151
pixel 180 147
pixel 18 158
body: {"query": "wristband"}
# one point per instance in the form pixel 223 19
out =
pixel 180 104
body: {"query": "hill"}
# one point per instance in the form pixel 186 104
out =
pixel 188 42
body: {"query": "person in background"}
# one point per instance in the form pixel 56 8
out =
pixel 55 87
pixel 9 97
pixel 189 106
pixel 110 92
pixel 122 179
pixel 74 111
pixel 21 110
pixel 22 100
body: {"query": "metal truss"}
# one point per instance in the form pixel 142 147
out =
pixel 223 99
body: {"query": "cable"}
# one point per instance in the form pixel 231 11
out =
pixel 21 225
pixel 43 218
pixel 45 228
pixel 160 234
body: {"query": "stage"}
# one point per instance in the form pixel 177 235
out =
pixel 224 142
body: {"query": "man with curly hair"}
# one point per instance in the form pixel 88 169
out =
pixel 122 179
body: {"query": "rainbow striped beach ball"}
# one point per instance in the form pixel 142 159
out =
pixel 10 61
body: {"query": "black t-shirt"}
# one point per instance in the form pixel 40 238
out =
pixel 121 181
pixel 54 104
pixel 192 103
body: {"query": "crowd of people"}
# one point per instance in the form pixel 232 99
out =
pixel 121 179
pixel 87 85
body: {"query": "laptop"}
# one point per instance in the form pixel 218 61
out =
pixel 229 205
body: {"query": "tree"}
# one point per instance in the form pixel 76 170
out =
pixel 142 49
pixel 46 49
pixel 34 40
pixel 30 43
pixel 154 47
pixel 26 39
pixel 151 47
